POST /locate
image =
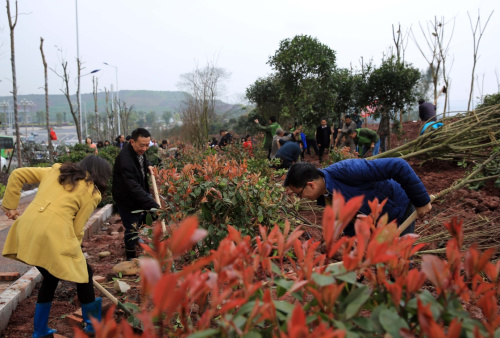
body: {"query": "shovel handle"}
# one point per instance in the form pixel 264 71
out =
pixel 157 197
pixel 411 218
pixel 112 298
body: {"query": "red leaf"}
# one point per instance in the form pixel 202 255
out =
pixel 186 235
pixel 150 274
pixel 436 271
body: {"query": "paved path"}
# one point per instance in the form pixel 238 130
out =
pixel 6 264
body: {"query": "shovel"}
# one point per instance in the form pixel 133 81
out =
pixel 157 197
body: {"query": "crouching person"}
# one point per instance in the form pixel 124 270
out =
pixel 390 178
pixel 49 233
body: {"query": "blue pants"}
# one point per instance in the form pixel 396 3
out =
pixel 365 148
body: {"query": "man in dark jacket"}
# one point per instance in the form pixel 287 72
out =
pixel 426 111
pixel 131 188
pixel 225 139
pixel 323 135
pixel 391 178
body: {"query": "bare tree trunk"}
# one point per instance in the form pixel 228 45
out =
pixel 12 26
pixel 434 59
pixel 96 111
pixel 78 104
pixel 477 39
pixel 49 139
pixel 74 112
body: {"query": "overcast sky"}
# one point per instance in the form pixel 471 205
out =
pixel 153 42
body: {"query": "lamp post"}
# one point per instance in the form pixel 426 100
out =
pixel 117 96
pixel 26 103
pixel 5 105
pixel 80 100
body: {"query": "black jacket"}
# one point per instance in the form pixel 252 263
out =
pixel 323 136
pixel 130 188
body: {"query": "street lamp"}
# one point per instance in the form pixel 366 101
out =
pixel 117 95
pixel 26 103
pixel 80 97
pixel 5 105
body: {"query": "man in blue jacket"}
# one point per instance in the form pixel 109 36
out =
pixel 390 178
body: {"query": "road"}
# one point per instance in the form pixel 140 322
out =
pixel 6 264
pixel 65 134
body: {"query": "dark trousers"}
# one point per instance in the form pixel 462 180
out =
pixel 383 143
pixel 311 143
pixel 131 223
pixel 85 291
pixel 322 150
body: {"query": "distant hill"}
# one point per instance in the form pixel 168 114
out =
pixel 143 100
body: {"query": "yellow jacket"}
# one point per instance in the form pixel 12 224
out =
pixel 50 231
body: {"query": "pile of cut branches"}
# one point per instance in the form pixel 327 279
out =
pixel 469 137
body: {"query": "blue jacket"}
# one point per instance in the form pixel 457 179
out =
pixel 303 138
pixel 391 178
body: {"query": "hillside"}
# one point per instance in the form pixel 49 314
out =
pixel 143 100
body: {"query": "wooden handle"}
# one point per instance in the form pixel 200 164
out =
pixel 105 292
pixel 411 218
pixel 157 197
pixel 112 298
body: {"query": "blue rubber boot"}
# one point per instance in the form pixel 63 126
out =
pixel 42 311
pixel 94 310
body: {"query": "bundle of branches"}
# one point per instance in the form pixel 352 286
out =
pixel 468 138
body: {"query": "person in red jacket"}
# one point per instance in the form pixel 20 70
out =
pixel 53 135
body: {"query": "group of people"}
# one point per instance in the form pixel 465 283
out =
pixel 49 233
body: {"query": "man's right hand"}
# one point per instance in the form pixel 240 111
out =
pixel 424 209
pixel 256 120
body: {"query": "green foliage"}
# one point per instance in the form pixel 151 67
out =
pixel 337 155
pixel 73 154
pixel 304 70
pixel 393 85
pixel 222 191
pixel 489 100
pixel 265 93
pixel 2 190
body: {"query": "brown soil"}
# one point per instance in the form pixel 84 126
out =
pixel 466 204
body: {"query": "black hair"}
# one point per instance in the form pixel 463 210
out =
pixel 92 170
pixel 164 142
pixel 106 141
pixel 421 101
pixel 140 132
pixel 272 119
pixel 300 173
pixel 100 144
pixel 348 117
pixel 127 138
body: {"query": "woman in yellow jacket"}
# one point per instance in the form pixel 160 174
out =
pixel 49 233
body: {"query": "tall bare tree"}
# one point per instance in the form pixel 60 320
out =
pixel 400 44
pixel 125 116
pixel 46 88
pixel 12 26
pixel 477 34
pixel 433 57
pixel 203 87
pixel 444 47
pixel 95 83
pixel 74 109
